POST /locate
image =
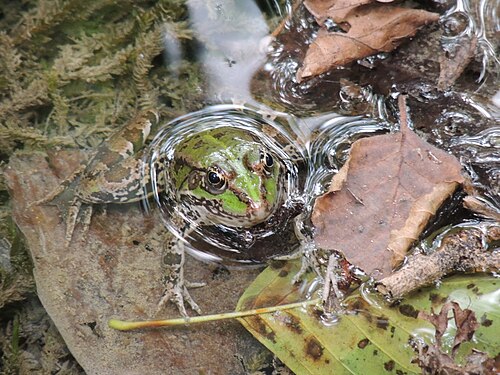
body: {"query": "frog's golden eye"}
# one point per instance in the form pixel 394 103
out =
pixel 216 183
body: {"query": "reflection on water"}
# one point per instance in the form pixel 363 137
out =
pixel 479 19
pixel 234 241
pixel 234 36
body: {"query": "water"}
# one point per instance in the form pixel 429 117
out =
pixel 479 19
pixel 236 241
pixel 318 120
pixel 309 151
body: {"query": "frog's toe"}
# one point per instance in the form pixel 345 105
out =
pixel 179 295
pixel 191 285
pixel 175 297
pixel 190 301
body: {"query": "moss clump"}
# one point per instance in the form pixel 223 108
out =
pixel 30 344
pixel 71 71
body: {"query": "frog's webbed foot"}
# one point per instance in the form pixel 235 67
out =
pixel 179 294
pixel 76 207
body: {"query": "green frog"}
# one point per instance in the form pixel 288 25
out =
pixel 226 181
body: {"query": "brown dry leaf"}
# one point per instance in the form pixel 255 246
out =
pixel 481 207
pixel 383 197
pixel 371 29
pixel 336 10
pixel 114 271
pixel 453 62
pixel 433 360
pixel 466 323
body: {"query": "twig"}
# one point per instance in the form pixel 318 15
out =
pixel 331 292
pixel 462 251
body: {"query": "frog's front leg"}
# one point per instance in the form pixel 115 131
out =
pixel 176 287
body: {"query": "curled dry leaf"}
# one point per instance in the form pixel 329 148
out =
pixel 336 10
pixel 465 322
pixel 434 360
pixel 480 206
pixel 370 29
pixel 383 197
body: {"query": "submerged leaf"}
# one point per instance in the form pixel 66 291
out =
pixel 336 10
pixel 370 338
pixel 455 59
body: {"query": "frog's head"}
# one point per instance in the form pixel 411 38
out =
pixel 227 176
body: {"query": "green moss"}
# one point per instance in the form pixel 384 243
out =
pixel 71 72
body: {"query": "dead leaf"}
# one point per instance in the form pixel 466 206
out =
pixel 370 29
pixel 466 323
pixel 480 206
pixel 368 338
pixel 114 270
pixel 454 60
pixel 383 197
pixel 336 10
pixel 439 321
pixel 433 360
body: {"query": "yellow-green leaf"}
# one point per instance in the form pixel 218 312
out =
pixel 374 338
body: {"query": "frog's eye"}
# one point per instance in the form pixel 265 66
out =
pixel 216 183
pixel 267 160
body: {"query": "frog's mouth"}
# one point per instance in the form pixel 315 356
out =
pixel 256 213
pixel 259 212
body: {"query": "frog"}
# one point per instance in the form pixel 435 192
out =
pixel 221 185
pixel 226 181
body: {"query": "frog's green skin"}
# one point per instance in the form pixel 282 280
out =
pixel 244 189
pixel 224 176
